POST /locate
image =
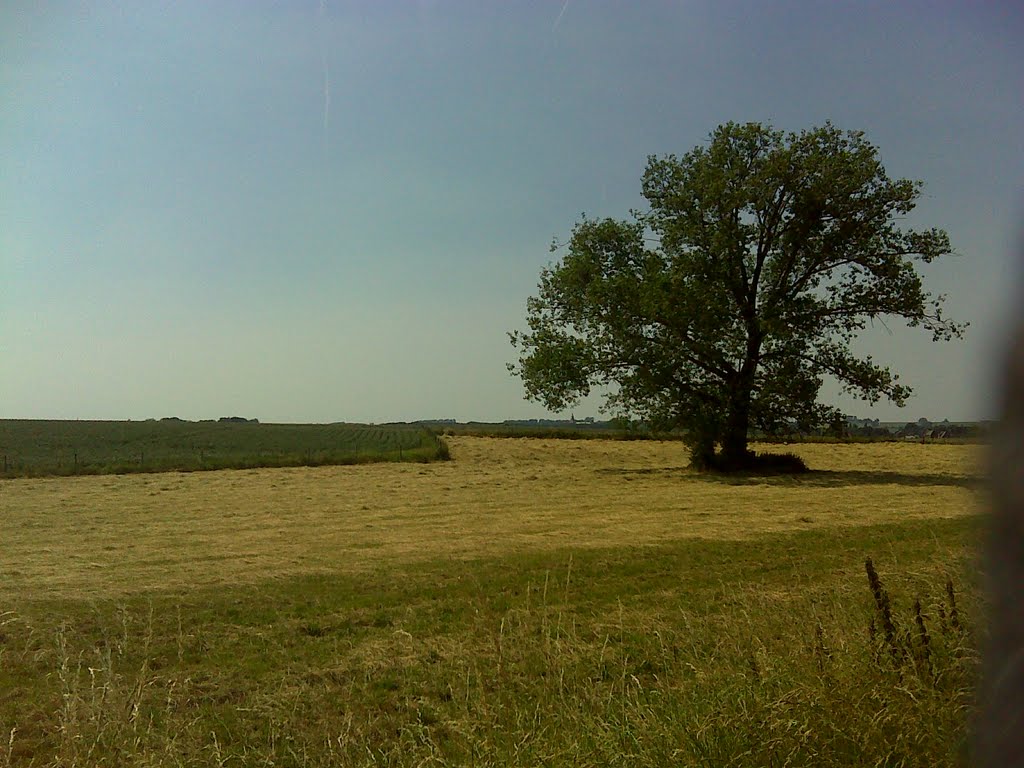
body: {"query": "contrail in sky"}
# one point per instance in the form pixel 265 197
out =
pixel 561 13
pixel 327 74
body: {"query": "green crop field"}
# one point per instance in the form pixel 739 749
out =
pixel 36 448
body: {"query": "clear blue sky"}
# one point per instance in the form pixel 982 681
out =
pixel 306 211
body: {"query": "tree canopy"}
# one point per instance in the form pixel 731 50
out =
pixel 723 307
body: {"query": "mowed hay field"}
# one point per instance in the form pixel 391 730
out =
pixel 107 535
pixel 531 602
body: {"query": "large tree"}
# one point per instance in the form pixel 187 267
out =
pixel 723 306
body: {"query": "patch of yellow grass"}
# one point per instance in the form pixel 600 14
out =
pixel 112 535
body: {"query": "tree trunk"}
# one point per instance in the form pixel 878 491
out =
pixel 735 454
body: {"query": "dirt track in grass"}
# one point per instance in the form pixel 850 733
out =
pixel 112 535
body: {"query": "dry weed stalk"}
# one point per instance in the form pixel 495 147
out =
pixel 884 608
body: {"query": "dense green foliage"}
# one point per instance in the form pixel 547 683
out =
pixel 771 651
pixel 29 447
pixel 722 308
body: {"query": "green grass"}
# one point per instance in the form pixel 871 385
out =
pixel 33 448
pixel 750 653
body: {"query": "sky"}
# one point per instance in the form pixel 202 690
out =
pixel 335 211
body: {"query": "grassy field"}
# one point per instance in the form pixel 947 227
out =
pixel 531 603
pixel 35 448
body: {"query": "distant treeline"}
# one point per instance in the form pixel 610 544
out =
pixel 853 430
pixel 38 448
pixel 921 429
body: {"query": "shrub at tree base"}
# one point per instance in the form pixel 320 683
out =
pixel 756 463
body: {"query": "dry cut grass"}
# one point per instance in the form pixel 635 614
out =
pixel 116 535
pixel 533 602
